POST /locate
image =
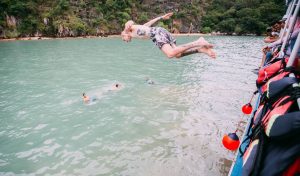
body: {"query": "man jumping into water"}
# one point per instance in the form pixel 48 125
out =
pixel 164 40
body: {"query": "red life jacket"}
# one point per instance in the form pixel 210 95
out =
pixel 282 74
pixel 267 72
pixel 275 86
pixel 280 107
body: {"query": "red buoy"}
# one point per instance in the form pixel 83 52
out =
pixel 247 108
pixel 231 141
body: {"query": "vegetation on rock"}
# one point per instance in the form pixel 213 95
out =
pixel 63 18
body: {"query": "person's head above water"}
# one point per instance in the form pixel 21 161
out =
pixel 149 81
pixel 85 97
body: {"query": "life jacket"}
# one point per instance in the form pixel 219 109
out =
pixel 268 152
pixel 249 157
pixel 282 106
pixel 282 74
pixel 293 169
pixel 272 92
pixel 278 155
pixel 267 72
pixel 274 108
pixel 281 94
pixel 276 86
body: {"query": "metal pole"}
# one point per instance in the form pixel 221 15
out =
pixel 294 52
pixel 291 26
pixel 292 61
pixel 288 14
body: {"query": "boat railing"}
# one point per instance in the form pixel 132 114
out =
pixel 292 15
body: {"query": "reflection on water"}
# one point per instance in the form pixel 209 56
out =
pixel 171 127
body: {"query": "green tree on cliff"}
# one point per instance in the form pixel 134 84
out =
pixel 89 17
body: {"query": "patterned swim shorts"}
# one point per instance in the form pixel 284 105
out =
pixel 161 36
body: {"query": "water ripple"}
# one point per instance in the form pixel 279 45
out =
pixel 173 127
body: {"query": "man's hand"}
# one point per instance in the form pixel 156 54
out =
pixel 167 16
pixel 128 25
pixel 265 49
pixel 164 17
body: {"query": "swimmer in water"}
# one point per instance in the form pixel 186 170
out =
pixel 88 99
pixel 149 81
pixel 116 87
pixel 85 98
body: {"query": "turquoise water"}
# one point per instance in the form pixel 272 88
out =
pixel 173 127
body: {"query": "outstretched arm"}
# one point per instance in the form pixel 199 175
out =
pixel 165 17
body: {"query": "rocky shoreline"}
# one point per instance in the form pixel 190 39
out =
pixel 81 37
pixel 50 38
pixel 110 36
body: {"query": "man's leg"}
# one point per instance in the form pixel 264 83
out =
pixel 208 51
pixel 263 60
pixel 172 51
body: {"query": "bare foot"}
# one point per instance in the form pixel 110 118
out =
pixel 208 51
pixel 204 43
